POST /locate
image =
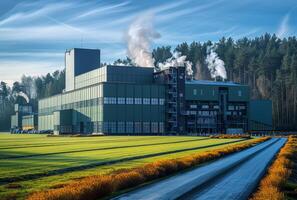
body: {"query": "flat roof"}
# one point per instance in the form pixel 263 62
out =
pixel 218 83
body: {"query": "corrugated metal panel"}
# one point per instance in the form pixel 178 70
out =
pixel 241 93
pixel 201 92
pixel 261 112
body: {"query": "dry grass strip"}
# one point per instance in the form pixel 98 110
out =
pixel 228 136
pixel 272 185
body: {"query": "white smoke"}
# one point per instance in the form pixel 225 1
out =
pixel 33 90
pixel 139 37
pixel 22 94
pixel 215 65
pixel 176 61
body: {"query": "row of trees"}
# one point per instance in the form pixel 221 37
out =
pixel 267 64
pixel 35 87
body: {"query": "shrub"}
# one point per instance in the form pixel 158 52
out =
pixel 229 136
pixel 272 185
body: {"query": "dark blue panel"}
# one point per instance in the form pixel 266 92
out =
pixel 86 60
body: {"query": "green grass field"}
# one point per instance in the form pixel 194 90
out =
pixel 34 162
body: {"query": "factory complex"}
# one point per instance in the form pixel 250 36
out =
pixel 115 100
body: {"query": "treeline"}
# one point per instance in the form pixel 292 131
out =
pixel 266 63
pixel 35 87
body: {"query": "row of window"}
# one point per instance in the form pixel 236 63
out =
pixel 129 127
pixel 194 106
pixel 214 113
pixel 239 92
pixel 104 100
pixel 114 127
pixel 137 101
pixel 202 113
pixel 232 107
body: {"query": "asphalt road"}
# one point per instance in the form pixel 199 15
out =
pixel 232 177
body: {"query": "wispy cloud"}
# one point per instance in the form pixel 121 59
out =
pixel 31 28
pixel 283 28
pixel 111 9
pixel 21 17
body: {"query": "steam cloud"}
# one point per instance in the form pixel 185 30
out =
pixel 215 65
pixel 139 37
pixel 22 94
pixel 177 60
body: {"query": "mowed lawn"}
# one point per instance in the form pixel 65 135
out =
pixel 34 162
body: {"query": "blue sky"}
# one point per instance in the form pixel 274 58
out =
pixel 34 34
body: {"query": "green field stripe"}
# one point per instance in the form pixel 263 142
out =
pixel 69 143
pixel 102 148
pixel 40 140
pixel 93 141
pixel 74 139
pixel 26 177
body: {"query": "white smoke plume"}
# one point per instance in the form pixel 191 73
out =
pixel 215 65
pixel 176 61
pixel 22 94
pixel 139 36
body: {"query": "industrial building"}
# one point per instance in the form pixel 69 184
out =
pixel 137 100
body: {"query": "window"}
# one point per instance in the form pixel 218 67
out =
pixel 112 127
pixel 193 112
pixel 146 101
pixel 161 127
pixel 146 127
pixel 121 127
pixel 154 127
pixel 241 107
pixel 216 107
pixel 121 100
pixel 195 92
pixel 239 93
pixel 205 113
pixel 129 127
pixel 137 128
pixel 193 106
pixel 105 127
pixel 205 106
pixel 154 101
pixel 138 101
pixel 230 107
pixel 113 100
pixel 106 100
pixel 201 92
pixel 161 101
pixel 129 100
